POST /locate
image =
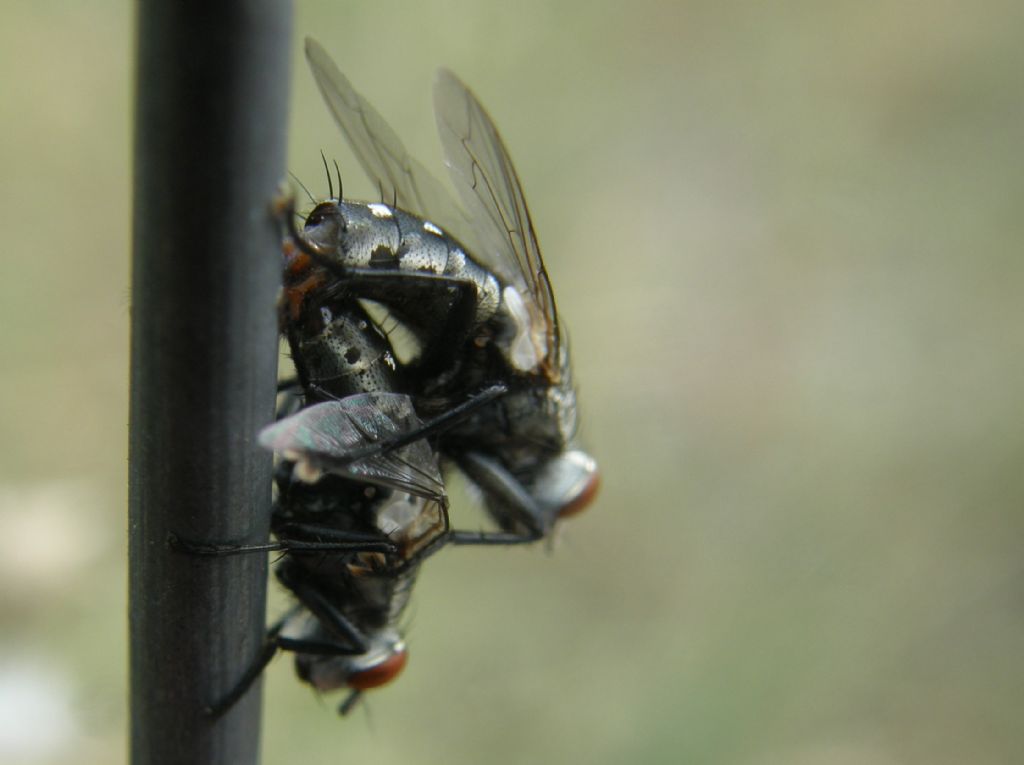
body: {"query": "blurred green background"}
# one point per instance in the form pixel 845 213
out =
pixel 786 239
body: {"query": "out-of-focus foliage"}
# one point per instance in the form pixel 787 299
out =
pixel 787 243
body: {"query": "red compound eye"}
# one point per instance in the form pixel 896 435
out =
pixel 379 675
pixel 581 501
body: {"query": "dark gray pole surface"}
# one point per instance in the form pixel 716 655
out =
pixel 212 86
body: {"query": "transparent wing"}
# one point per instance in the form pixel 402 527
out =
pixel 489 187
pixel 342 437
pixel 381 153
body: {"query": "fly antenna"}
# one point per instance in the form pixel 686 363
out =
pixel 330 183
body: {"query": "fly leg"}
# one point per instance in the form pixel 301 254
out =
pixel 519 514
pixel 330 616
pixel 351 640
pixel 267 652
pixel 272 644
pixel 491 538
pixel 438 424
pixel 342 542
pixel 337 623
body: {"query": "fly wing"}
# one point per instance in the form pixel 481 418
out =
pixel 489 187
pixel 381 153
pixel 351 437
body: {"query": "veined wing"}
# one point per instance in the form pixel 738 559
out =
pixel 489 187
pixel 340 437
pixel 381 153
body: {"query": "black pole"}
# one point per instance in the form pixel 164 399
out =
pixel 209 154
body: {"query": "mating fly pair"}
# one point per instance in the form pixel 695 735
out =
pixel 484 387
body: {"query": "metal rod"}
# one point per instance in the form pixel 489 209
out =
pixel 212 86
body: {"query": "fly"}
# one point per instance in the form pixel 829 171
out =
pixel 471 289
pixel 348 635
pixel 355 520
